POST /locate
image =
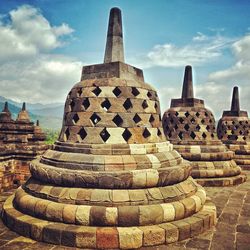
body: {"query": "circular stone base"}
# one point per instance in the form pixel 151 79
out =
pixel 222 182
pixel 245 167
pixel 108 237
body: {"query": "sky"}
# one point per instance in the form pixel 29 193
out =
pixel 44 44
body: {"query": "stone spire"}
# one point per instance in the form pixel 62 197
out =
pixel 37 123
pixel 24 106
pixel 235 105
pixel 6 108
pixel 114 46
pixel 187 89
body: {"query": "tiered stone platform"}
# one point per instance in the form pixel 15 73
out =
pixel 234 131
pixel 111 180
pixel 191 128
pixel 20 142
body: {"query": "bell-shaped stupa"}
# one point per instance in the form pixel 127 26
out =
pixel 111 180
pixel 190 126
pixel 234 131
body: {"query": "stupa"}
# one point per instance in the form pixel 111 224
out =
pixel 111 180
pixel 190 126
pixel 234 131
pixel 20 142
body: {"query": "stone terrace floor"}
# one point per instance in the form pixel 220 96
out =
pixel 231 232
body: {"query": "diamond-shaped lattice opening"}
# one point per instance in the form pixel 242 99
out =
pixel 204 135
pixel 126 134
pixel 166 127
pixel 160 118
pixel 79 92
pixel 210 120
pixel 193 135
pixel 169 134
pixel 144 104
pixel 149 94
pixel 86 103
pixel 104 135
pixel 72 105
pixel 181 120
pixel 95 118
pixel 117 120
pixel 116 91
pixel 206 114
pixel 197 114
pixel 207 127
pixel 240 122
pixel 146 133
pixel 187 114
pixel 69 94
pixel 159 132
pixel 127 104
pixel 198 127
pixel 240 132
pixel 106 104
pixel 97 91
pixel 67 133
pixel 202 121
pixel 246 122
pixel 212 135
pixel 233 122
pixel 186 127
pixel 176 113
pixel 176 127
pixel 156 105
pixel 232 132
pixel 192 120
pixel 151 119
pixel 137 118
pixel 75 118
pixel 135 91
pixel 244 138
pixel 180 135
pixel 82 133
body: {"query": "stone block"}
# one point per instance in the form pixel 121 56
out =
pixel 107 238
pixel 153 235
pixel 130 237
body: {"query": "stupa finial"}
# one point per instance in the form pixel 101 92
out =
pixel 37 123
pixel 114 46
pixel 235 105
pixel 6 107
pixel 187 89
pixel 24 106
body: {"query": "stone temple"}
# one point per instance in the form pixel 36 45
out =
pixel 20 142
pixel 111 180
pixel 234 130
pixel 190 126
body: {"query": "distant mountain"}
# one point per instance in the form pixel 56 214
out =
pixel 49 115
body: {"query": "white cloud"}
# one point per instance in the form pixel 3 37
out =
pixel 201 50
pixel 28 33
pixel 218 89
pixel 28 70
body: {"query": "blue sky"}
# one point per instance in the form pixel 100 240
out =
pixel 47 41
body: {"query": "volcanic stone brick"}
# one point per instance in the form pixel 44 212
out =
pixel 107 238
pixel 153 235
pixel 130 237
pixel 128 215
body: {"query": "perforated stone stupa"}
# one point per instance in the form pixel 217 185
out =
pixel 190 126
pixel 111 180
pixel 20 142
pixel 234 130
